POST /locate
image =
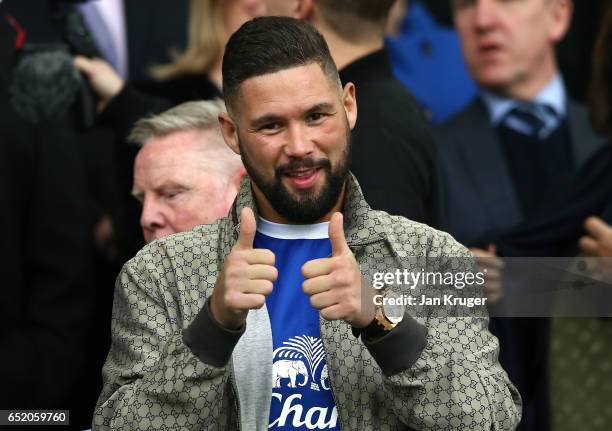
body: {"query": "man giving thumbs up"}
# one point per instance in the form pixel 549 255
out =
pixel 266 324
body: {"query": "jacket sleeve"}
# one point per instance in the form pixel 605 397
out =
pixel 457 382
pixel 152 379
pixel 443 373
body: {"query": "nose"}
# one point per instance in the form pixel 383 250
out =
pixel 485 14
pixel 298 143
pixel 152 218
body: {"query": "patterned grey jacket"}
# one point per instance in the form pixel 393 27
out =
pixel 172 367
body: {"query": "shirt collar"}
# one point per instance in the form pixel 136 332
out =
pixel 553 95
pixel 293 231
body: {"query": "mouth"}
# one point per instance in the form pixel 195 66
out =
pixel 302 178
pixel 489 50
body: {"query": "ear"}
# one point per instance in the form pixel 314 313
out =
pixel 229 132
pixel 349 101
pixel 561 11
pixel 304 9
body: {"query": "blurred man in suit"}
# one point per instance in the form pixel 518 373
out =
pixel 135 35
pixel 132 35
pixel 503 157
pixel 184 174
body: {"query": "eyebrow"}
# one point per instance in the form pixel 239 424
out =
pixel 168 184
pixel 272 118
pixel 325 106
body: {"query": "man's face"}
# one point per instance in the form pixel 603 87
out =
pixel 292 129
pixel 509 43
pixel 173 184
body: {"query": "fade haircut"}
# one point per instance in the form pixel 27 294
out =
pixel 270 44
pixel 356 20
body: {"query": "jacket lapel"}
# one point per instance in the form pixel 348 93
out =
pixel 585 142
pixel 482 153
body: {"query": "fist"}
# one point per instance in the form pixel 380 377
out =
pixel 335 285
pixel 246 278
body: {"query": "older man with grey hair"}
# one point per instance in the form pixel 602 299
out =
pixel 184 174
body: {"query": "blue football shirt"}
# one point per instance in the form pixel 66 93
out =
pixel 301 392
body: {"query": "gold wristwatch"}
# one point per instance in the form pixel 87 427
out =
pixel 389 312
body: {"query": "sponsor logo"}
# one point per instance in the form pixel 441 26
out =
pixel 300 379
pixel 297 361
pixel 313 418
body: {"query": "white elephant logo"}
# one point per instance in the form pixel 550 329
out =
pixel 289 369
pixel 325 378
pixel 301 355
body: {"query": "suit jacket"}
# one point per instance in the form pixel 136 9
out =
pixel 393 151
pixel 45 278
pixel 556 229
pixel 154 28
pixel 479 197
pixel 478 193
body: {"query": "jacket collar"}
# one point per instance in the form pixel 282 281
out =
pixel 361 225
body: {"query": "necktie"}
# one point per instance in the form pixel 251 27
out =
pixel 532 119
pixel 101 33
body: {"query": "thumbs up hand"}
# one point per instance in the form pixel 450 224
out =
pixel 247 277
pixel 335 285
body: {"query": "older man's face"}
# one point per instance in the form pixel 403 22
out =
pixel 509 43
pixel 175 187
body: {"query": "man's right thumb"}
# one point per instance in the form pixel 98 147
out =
pixel 248 228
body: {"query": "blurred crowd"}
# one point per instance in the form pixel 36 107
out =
pixel 488 119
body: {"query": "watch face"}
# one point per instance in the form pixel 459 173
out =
pixel 393 307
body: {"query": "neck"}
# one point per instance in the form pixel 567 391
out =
pixel 344 52
pixel 266 210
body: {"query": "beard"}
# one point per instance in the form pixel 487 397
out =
pixel 308 206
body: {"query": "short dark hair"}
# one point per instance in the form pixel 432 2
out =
pixel 354 20
pixel 270 44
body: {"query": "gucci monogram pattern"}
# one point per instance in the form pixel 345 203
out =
pixel 153 381
pixel 581 373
